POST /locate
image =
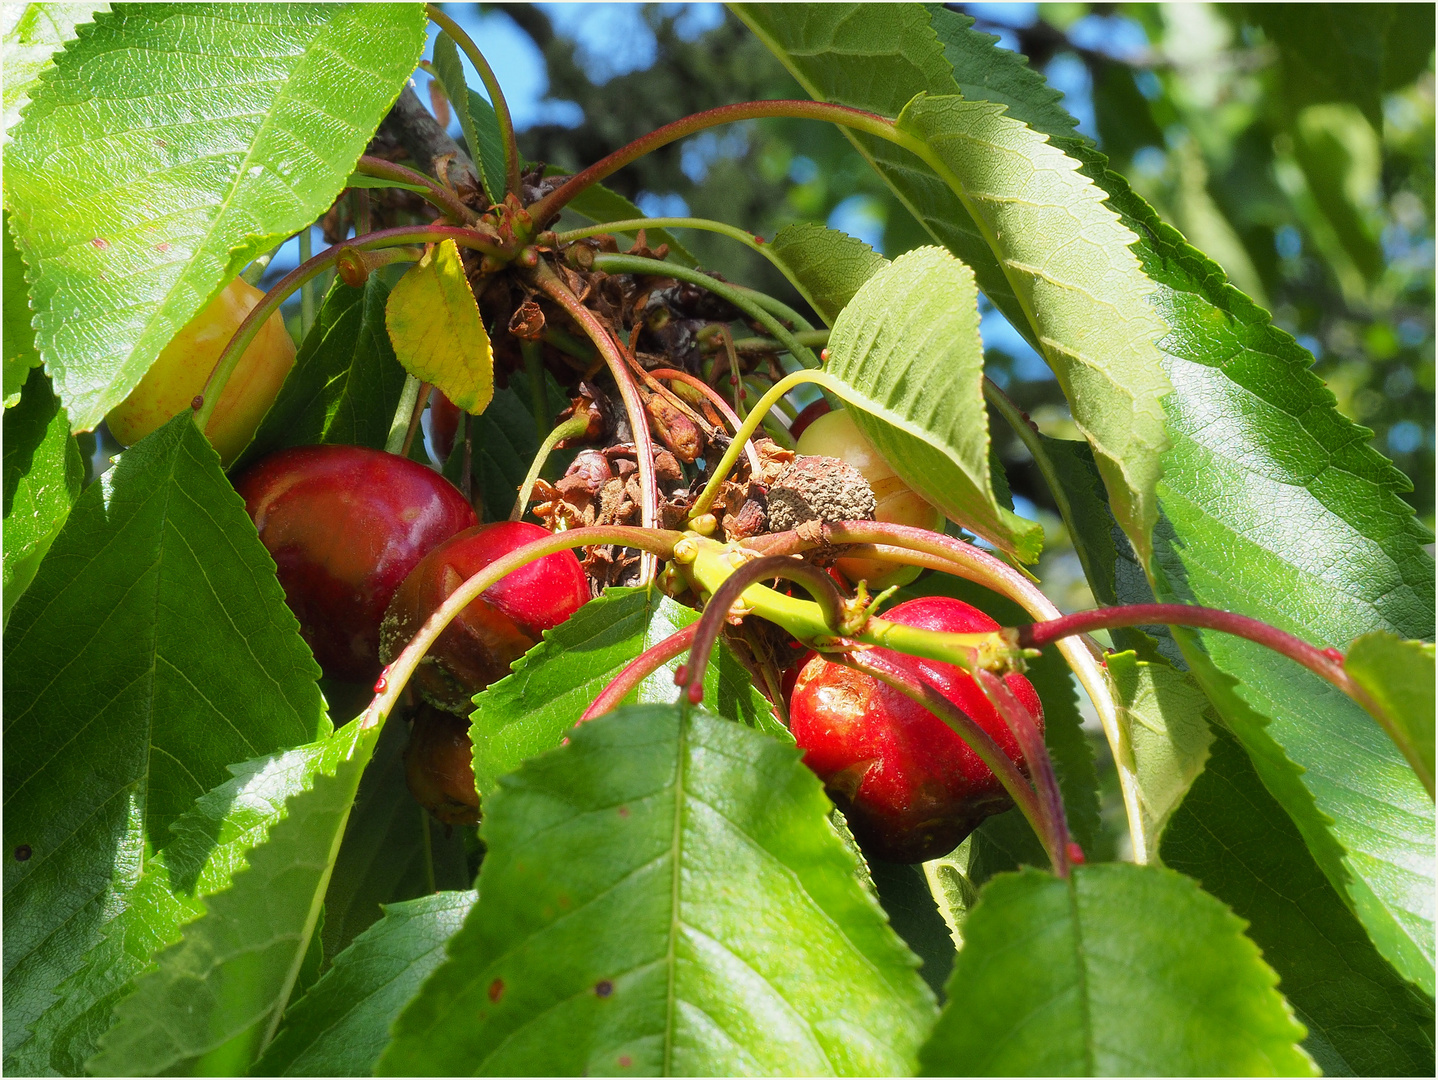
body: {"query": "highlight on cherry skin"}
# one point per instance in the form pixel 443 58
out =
pixel 180 371
pixel 909 785
pixel 497 627
pixel 345 525
pixel 834 434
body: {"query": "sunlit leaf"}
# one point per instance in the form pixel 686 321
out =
pixel 19 341
pixel 665 895
pixel 436 330
pixel 1399 676
pixel 1059 978
pixel 32 35
pixel 139 189
pixel 827 266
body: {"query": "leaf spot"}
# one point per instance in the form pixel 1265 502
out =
pixel 162 247
pixel 496 990
pixel 23 853
pixel 624 811
pixel 603 988
pixel 625 1061
pixel 99 243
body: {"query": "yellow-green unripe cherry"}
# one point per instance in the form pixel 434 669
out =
pixel 836 435
pixel 180 371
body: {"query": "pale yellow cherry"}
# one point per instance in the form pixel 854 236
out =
pixel 183 366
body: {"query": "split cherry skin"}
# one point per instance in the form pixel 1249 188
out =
pixel 910 786
pixel 497 627
pixel 345 526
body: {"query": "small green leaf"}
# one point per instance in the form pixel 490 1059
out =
pixel 43 473
pixel 208 845
pixel 33 34
pixel 363 180
pixel 345 382
pixel 138 190
pixel 490 156
pixel 342 1025
pixel 1060 978
pixel 908 348
pixel 152 649
pixel 215 1000
pixel 665 895
pixel 19 338
pixel 450 69
pixel 1166 718
pixel 531 710
pixel 1234 838
pixel 1399 676
pixel 382 859
pixel 827 266
pixel 434 325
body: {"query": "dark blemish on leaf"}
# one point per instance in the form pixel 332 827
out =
pixel 496 990
pixel 604 988
pixel 23 853
pixel 564 902
pixel 625 1061
pixel 99 243
pixel 162 248
pixel 624 811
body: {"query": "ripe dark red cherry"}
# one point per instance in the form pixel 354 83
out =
pixel 495 629
pixel 345 525
pixel 911 787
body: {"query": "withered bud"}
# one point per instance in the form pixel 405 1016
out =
pixel 527 322
pixel 666 470
pixel 592 467
pixel 675 430
pixel 819 489
pixel 585 405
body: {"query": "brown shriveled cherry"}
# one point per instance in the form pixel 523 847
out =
pixel 911 787
pixel 345 525
pixel 495 629
pixel 439 766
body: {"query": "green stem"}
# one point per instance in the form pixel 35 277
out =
pixel 746 300
pixel 433 191
pixel 574 426
pixel 396 676
pixel 403 416
pixel 308 271
pixel 633 225
pixel 307 289
pixel 496 95
pixel 811 338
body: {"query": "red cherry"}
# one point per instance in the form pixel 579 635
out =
pixel 911 787
pixel 495 629
pixel 344 525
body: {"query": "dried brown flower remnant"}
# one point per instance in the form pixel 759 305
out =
pixel 819 489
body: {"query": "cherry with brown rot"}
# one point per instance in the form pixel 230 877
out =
pixel 345 525
pixel 497 627
pixel 912 789
pixel 439 766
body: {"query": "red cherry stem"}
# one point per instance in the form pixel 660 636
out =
pixel 717 400
pixel 817 582
pixel 550 284
pixel 640 668
pixel 311 268
pixel 434 192
pixel 1036 755
pixel 919 691
pixel 397 675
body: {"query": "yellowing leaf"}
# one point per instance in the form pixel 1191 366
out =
pixel 434 325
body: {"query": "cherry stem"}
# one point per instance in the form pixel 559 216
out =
pixel 550 284
pixel 411 403
pixel 415 416
pixel 397 675
pixel 743 299
pixel 433 191
pixel 811 338
pixel 496 95
pixel 918 690
pixel 548 208
pixel 717 400
pixel 919 547
pixel 306 271
pixel 634 225
pixel 818 584
pixel 576 425
pixel 639 669
pixel 1036 756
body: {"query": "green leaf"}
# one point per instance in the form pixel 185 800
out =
pixel 1233 837
pixel 43 474
pixel 505 442
pixel 33 33
pixel 908 348
pixel 152 649
pixel 1341 158
pixel 342 1025
pixel 19 339
pixel 138 191
pixel 1166 719
pixel 434 325
pixel 665 895
pixel 382 859
pixel 216 998
pixel 208 845
pixel 450 69
pixel 533 709
pixel 1060 978
pixel 827 266
pixel 600 205
pixel 345 382
pixel 362 180
pixel 1399 676
pixel 490 157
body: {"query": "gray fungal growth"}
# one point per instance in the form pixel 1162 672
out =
pixel 819 489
